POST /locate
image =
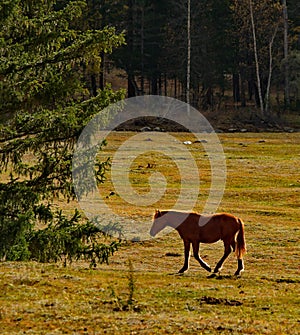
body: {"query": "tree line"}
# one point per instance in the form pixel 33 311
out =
pixel 246 49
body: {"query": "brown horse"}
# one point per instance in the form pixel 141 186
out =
pixel 194 228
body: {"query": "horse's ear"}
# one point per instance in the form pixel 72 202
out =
pixel 157 213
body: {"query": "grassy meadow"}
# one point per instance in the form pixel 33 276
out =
pixel 140 292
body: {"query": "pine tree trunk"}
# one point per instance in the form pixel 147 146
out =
pixel 236 87
pixel 188 70
pixel 94 85
pixel 130 86
pixel 154 90
pixel 166 84
pixel 142 52
pixel 285 49
pixel 131 92
pixel 102 69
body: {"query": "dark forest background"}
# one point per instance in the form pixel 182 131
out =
pixel 223 69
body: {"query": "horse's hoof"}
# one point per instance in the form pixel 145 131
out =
pixel 238 272
pixel 213 275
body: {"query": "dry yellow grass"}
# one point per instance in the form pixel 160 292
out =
pixel 263 188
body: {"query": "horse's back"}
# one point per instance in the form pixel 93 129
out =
pixel 225 217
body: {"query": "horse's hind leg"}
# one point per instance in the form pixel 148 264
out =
pixel 198 258
pixel 240 267
pixel 227 251
pixel 186 256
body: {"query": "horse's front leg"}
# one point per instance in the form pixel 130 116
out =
pixel 186 256
pixel 196 245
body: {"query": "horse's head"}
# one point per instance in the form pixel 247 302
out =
pixel 159 223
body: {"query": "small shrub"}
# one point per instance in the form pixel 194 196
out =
pixel 129 304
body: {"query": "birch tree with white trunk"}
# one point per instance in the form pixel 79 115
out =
pixel 268 27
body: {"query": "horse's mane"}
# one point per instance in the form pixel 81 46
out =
pixel 158 213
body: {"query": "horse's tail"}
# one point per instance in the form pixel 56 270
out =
pixel 241 243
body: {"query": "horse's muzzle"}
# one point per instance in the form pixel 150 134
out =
pixel 152 233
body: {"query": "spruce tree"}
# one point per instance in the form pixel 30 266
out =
pixel 44 105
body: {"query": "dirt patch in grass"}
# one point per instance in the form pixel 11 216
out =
pixel 219 301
